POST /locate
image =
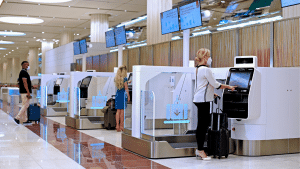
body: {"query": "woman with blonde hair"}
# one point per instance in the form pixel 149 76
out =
pixel 122 96
pixel 204 94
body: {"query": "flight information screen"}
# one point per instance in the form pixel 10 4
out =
pixel 190 15
pixel 110 39
pixel 120 35
pixel 285 3
pixel 240 79
pixel 83 47
pixel 169 21
pixel 76 48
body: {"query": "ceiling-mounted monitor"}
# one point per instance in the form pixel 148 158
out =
pixel 110 39
pixel 120 35
pixel 83 46
pixel 286 3
pixel 190 15
pixel 169 21
pixel 76 48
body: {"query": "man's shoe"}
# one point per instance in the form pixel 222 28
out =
pixel 17 121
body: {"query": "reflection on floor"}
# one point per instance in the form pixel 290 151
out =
pixel 55 146
pixel 65 143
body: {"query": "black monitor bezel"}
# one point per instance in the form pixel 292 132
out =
pixel 200 16
pixel 83 85
pixel 177 19
pixel 116 36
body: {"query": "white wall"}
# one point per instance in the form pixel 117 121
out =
pixel 59 59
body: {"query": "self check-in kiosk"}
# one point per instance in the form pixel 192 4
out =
pixel 264 108
pixel 89 94
pixel 54 95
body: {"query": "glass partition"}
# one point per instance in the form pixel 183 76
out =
pixel 166 104
pixel 63 96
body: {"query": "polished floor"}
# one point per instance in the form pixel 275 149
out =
pixel 52 145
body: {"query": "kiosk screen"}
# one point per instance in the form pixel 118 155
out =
pixel 86 81
pixel 240 79
pixel 58 81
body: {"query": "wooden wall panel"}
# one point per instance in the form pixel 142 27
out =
pixel 103 63
pixel 286 43
pixel 224 48
pixel 255 41
pixel 161 54
pixel 133 58
pixel 125 58
pixel 96 63
pixel 112 61
pixel 78 64
pixel 198 42
pixel 176 53
pixel 89 63
pixel 146 57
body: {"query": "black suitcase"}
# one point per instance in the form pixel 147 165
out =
pixel 110 118
pixel 218 135
pixel 33 113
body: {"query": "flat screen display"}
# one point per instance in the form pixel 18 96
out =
pixel 240 79
pixel 86 81
pixel 120 35
pixel 110 39
pixel 190 15
pixel 76 48
pixel 83 47
pixel 285 3
pixel 169 21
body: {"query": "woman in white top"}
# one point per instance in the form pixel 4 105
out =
pixel 204 94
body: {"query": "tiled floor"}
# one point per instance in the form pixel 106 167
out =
pixel 52 145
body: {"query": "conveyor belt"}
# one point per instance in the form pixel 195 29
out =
pixel 184 145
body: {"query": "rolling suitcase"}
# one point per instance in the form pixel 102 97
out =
pixel 110 118
pixel 218 135
pixel 33 113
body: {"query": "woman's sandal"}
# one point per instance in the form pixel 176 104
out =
pixel 200 157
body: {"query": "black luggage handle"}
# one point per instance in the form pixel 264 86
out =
pixel 217 111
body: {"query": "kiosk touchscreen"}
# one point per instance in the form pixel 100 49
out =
pixel 84 87
pixel 57 86
pixel 235 103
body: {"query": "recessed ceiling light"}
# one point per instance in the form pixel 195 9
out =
pixel 9 52
pixel 77 34
pixel 6 42
pixel 6 54
pixel 48 1
pixel 223 2
pixel 34 37
pixel 4 33
pixel 2 48
pixel 17 47
pixel 5 36
pixel 21 20
pixel 1 2
pixel 44 39
pixel 12 50
pixel 27 41
pixel 43 32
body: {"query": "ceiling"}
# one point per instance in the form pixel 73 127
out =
pixel 58 17
pixel 75 16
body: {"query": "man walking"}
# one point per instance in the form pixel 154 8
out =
pixel 25 91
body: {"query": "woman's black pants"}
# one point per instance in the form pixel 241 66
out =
pixel 204 118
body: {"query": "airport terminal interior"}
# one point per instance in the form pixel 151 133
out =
pixel 75 49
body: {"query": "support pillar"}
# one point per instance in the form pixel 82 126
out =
pixel 66 37
pixel 154 8
pixel 1 70
pixel 84 63
pixel 16 68
pixel 99 25
pixel 9 78
pixel 4 72
pixel 120 55
pixel 46 46
pixel 33 60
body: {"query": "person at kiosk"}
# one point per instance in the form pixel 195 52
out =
pixel 204 94
pixel 122 96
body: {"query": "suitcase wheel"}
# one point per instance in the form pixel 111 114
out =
pixel 109 126
pixel 220 157
pixel 226 156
